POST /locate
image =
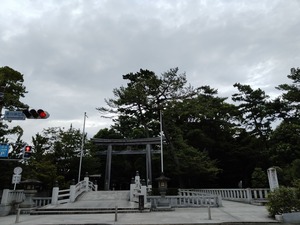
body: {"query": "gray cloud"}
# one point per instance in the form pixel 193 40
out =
pixel 73 53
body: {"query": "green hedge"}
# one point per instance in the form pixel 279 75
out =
pixel 283 200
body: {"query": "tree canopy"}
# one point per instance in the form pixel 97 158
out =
pixel 209 141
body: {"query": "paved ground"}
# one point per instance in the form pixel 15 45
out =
pixel 231 212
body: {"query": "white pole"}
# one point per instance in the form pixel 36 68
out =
pixel 81 150
pixel 161 143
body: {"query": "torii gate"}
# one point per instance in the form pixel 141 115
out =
pixel 127 142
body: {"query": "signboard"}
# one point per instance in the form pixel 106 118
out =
pixel 16 179
pixel 4 150
pixel 14 115
pixel 18 170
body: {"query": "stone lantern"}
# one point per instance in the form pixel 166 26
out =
pixel 162 184
pixel 30 189
pixel 163 203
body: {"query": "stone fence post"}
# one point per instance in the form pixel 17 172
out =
pixel 273 180
pixel 4 199
pixel 86 180
pixel 144 193
pixel 55 192
pixel 249 195
pixel 72 191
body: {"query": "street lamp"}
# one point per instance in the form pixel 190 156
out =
pixel 162 180
pixel 161 143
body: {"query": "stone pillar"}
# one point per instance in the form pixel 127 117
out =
pixel 5 207
pixel 4 199
pixel 132 186
pixel 96 187
pixel 272 176
pixel 249 195
pixel 86 180
pixel 144 193
pixel 72 191
pixel 55 192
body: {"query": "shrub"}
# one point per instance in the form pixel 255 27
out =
pixel 283 200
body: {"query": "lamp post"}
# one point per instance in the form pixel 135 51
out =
pixel 81 149
pixel 161 143
pixel 162 180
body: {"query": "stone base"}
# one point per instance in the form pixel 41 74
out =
pixel 163 205
pixel 4 210
pixel 279 218
pixel 163 208
pixel 293 217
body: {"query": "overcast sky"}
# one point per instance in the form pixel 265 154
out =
pixel 73 53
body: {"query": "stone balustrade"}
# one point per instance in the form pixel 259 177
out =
pixel 41 201
pixel 247 195
pixel 70 195
pixel 12 196
pixel 182 201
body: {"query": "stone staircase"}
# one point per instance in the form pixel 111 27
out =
pixel 94 202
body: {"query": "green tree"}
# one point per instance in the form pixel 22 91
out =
pixel 11 86
pixel 259 178
pixel 139 106
pixel 285 143
pixel 205 123
pixel 291 95
pixel 257 112
pixel 56 157
pixel 145 95
pixel 11 91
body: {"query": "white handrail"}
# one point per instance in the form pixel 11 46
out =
pixel 70 195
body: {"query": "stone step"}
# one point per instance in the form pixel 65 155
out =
pixel 80 209
pixel 104 195
pixel 94 202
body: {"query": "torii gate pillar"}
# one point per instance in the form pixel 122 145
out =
pixel 108 168
pixel 148 165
